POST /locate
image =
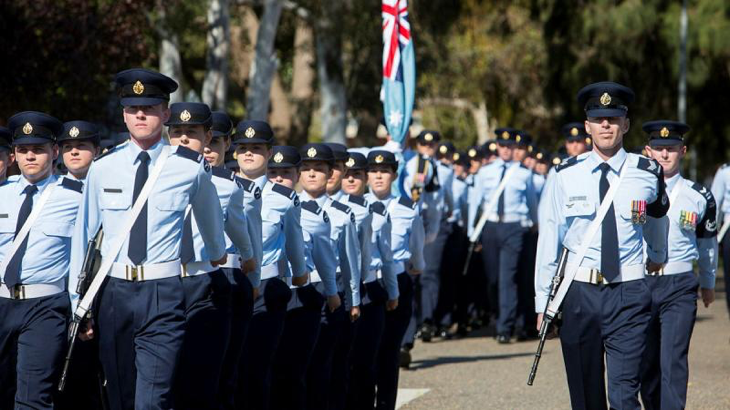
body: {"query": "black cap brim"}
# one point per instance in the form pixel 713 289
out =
pixel 606 113
pixel 665 142
pixel 141 101
pixel 33 141
pixel 254 140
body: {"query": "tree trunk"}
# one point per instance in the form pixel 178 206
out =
pixel 332 93
pixel 170 62
pixel 302 89
pixel 215 84
pixel 264 64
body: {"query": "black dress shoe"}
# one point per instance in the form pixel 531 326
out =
pixel 405 358
pixel 503 339
pixel 426 332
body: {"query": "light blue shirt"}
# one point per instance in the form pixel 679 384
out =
pixel 520 197
pixel 46 258
pixel 721 190
pixel 407 232
pixel 252 208
pixel 364 228
pixel 381 248
pixel 574 202
pixel 107 201
pixel 230 194
pixel 344 238
pixel 281 228
pixel 696 240
pixel 460 192
pixel 319 252
pixel 433 203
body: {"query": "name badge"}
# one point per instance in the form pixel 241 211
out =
pixel 4 216
pixel 688 220
pixel 638 212
pixel 113 190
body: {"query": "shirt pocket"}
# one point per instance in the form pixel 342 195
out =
pixel 57 229
pixel 7 225
pixel 173 203
pixel 579 209
pixel 114 201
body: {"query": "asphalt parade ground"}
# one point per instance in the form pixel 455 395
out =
pixel 477 373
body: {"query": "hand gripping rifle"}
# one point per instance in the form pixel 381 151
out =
pixel 89 268
pixel 547 319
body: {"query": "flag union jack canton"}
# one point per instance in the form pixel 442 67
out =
pixel 399 68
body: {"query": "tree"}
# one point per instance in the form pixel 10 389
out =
pixel 215 84
pixel 264 64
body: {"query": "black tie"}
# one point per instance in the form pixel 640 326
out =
pixel 12 273
pixel 187 252
pixel 609 235
pixel 500 202
pixel 137 250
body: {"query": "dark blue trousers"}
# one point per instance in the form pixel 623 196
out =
pixel 501 247
pixel 319 374
pixel 526 316
pixel 726 269
pixel 431 277
pixel 301 330
pixel 396 322
pixel 608 320
pixel 207 329
pixel 664 368
pixel 241 312
pixel 341 360
pixel 141 331
pixel 363 370
pixel 84 380
pixel 264 334
pixel 450 271
pixel 32 348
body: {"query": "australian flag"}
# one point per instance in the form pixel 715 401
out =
pixel 399 69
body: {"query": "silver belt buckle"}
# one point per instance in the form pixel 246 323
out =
pixel 596 278
pixel 17 292
pixel 134 273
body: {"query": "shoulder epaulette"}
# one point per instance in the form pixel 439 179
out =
pixel 186 152
pixel 649 165
pixel 249 186
pixel 706 193
pixel 312 207
pixel 378 207
pixel 356 199
pixel 567 163
pixel 72 184
pixel 341 207
pixel 407 202
pixel 109 151
pixel 224 173
pixel 524 166
pixel 281 189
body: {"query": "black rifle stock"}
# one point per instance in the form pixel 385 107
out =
pixel 547 320
pixel 85 277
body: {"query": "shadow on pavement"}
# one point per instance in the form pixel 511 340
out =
pixel 428 363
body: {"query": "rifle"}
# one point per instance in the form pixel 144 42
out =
pixel 86 275
pixel 547 319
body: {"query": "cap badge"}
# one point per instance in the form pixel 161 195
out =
pixel 250 132
pixel 456 156
pixel 539 155
pixel 27 128
pixel 428 137
pixel 185 116
pixel 530 148
pixel 443 149
pixel 138 87
pixel 379 159
pixel 505 135
pixel 589 141
pixel 605 99
pixel 556 161
pixel 73 132
pixel 574 132
pixel 350 162
pixel 312 152
pixel 278 157
pixel 472 153
pixel 664 132
pixel 518 138
pixel 492 147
